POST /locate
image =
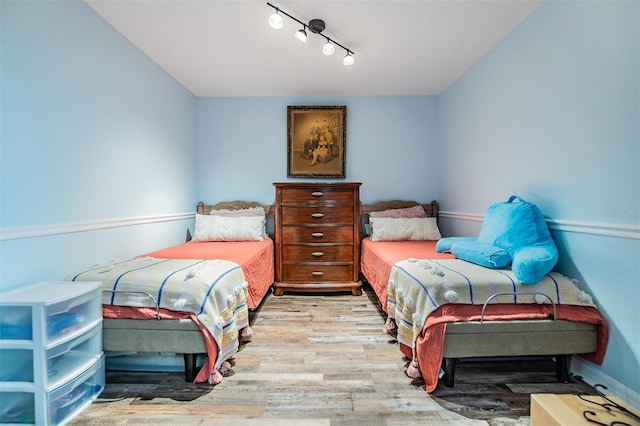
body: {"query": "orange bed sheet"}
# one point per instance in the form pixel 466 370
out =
pixel 254 257
pixel 378 257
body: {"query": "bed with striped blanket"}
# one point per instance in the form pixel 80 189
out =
pixel 213 292
pixel 443 309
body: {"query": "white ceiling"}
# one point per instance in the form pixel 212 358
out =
pixel 226 48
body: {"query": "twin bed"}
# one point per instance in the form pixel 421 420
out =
pixel 195 297
pixel 443 309
pixel 192 298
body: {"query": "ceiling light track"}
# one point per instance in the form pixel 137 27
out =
pixel 316 26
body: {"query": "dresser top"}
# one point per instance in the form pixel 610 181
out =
pixel 316 184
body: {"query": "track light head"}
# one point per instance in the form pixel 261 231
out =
pixel 275 20
pixel 301 35
pixel 348 59
pixel 328 48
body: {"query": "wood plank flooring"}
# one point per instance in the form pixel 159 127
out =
pixel 325 360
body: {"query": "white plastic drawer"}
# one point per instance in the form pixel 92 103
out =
pixel 17 365
pixel 63 307
pixel 72 315
pixel 71 398
pixel 15 322
pixel 65 359
pixel 17 407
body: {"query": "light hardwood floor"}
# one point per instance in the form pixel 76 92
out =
pixel 325 360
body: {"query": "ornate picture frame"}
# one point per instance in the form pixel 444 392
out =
pixel 316 141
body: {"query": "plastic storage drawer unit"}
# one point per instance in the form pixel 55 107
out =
pixel 51 358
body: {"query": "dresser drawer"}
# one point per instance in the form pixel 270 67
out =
pixel 299 253
pixel 318 195
pixel 317 215
pixel 317 234
pixel 315 273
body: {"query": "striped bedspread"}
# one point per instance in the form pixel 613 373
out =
pixel 214 290
pixel 418 287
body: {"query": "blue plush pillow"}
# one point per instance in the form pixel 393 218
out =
pixel 444 244
pixel 515 228
pixel 481 254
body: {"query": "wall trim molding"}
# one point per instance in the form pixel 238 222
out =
pixel 22 232
pixel 593 228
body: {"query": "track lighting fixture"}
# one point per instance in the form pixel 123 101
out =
pixel 316 26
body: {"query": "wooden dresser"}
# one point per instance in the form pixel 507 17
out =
pixel 317 237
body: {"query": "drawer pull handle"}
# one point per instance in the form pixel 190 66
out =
pixel 316 273
pixel 317 194
pixel 317 254
pixel 317 235
pixel 317 215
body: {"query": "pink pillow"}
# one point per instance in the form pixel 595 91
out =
pixel 404 213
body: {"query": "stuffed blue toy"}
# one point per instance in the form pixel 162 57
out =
pixel 512 233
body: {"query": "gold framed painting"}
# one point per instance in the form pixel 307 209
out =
pixel 316 141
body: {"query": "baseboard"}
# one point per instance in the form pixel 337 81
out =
pixel 593 376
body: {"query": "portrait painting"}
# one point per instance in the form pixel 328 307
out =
pixel 316 140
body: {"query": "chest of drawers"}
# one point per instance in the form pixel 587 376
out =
pixel 317 237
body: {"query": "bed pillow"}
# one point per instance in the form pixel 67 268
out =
pixel 404 229
pixel 407 212
pixel 481 254
pixel 222 228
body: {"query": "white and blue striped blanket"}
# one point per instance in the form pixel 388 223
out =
pixel 214 290
pixel 417 287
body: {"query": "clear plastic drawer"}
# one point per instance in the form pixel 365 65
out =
pixel 15 322
pixel 17 365
pixel 71 315
pixel 68 400
pixel 62 315
pixel 63 403
pixel 17 407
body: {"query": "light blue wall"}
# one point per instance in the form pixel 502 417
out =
pixel 93 134
pixel 552 114
pixel 391 141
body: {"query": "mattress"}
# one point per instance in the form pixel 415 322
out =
pixel 254 257
pixel 377 259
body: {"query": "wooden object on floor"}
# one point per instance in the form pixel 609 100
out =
pixel 317 237
pixel 569 410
